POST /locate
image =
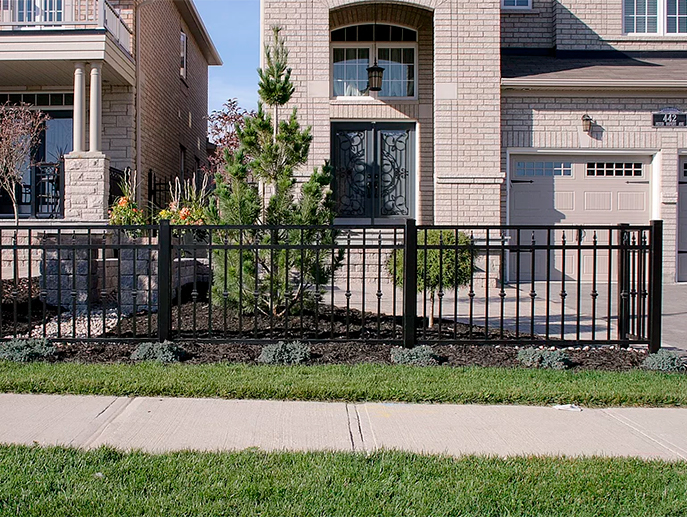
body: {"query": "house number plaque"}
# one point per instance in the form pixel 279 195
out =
pixel 670 117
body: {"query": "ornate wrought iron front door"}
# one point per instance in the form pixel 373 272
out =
pixel 374 169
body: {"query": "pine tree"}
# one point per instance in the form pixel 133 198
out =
pixel 270 151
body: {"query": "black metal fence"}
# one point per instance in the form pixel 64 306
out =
pixel 394 283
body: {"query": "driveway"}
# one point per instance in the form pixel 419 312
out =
pixel 675 317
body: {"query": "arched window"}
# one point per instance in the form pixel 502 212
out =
pixel 354 49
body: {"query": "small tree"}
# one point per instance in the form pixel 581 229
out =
pixel 223 126
pixel 20 132
pixel 270 151
pixel 443 264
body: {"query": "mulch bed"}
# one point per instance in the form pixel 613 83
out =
pixel 341 324
pixel 605 358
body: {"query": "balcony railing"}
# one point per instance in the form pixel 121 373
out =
pixel 65 14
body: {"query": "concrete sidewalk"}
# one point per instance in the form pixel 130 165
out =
pixel 160 425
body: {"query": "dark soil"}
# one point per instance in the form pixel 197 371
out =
pixel 359 338
pixel 354 353
pixel 200 321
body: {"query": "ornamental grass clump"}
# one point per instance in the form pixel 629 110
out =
pixel 665 361
pixel 418 356
pixel 544 359
pixel 159 353
pixel 286 354
pixel 26 350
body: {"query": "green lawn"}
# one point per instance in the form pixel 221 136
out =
pixel 351 383
pixel 59 482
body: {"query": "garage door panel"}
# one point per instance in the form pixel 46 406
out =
pixel 682 223
pixel 598 201
pixel 580 191
pixel 632 202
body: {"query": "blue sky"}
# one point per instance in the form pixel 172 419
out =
pixel 234 26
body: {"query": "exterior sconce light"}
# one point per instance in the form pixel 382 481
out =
pixel 587 123
pixel 375 73
pixel 374 77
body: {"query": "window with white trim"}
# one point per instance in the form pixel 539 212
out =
pixel 659 17
pixel 615 169
pixel 353 52
pixel 516 4
pixel 532 168
pixel 183 70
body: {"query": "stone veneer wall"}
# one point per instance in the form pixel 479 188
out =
pixel 550 121
pixel 86 187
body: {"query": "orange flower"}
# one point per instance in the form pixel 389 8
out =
pixel 185 213
pixel 123 201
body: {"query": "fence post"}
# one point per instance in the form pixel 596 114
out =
pixel 655 286
pixel 164 279
pixel 623 282
pixel 410 284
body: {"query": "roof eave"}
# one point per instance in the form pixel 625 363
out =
pixel 563 84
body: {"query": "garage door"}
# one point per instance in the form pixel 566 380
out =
pixel 565 190
pixel 682 224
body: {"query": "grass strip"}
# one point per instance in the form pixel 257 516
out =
pixel 367 382
pixel 67 482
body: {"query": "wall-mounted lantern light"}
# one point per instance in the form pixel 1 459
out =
pixel 375 74
pixel 587 123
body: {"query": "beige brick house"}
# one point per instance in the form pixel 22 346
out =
pixel 125 83
pixel 498 111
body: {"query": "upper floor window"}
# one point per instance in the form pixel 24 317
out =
pixel 355 48
pixel 184 55
pixel 655 16
pixel 516 4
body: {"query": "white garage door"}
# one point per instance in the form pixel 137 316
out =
pixel 682 224
pixel 566 190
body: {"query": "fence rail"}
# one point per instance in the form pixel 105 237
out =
pixel 396 284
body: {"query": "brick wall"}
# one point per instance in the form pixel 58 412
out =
pixel 458 107
pixel 174 111
pixel 529 28
pixel 578 25
pixel 540 121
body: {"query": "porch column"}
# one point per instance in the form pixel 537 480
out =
pixel 96 108
pixel 79 107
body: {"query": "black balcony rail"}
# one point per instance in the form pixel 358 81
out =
pixel 42 197
pixel 386 284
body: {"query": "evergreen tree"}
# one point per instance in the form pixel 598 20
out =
pixel 270 151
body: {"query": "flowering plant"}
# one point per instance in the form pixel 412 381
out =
pixel 125 211
pixel 190 203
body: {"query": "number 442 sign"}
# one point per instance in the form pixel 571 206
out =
pixel 670 117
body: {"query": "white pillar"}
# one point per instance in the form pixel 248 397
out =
pixel 79 107
pixel 96 108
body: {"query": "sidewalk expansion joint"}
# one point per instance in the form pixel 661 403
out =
pixel 646 434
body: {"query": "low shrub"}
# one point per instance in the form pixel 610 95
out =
pixel 544 359
pixel 26 350
pixel 665 361
pixel 159 352
pixel 288 354
pixel 418 356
